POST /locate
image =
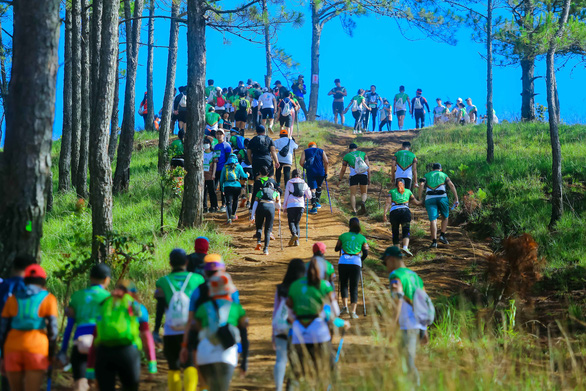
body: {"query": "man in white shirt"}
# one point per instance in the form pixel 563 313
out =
pixel 267 103
pixel 284 144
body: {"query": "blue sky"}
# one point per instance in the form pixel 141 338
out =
pixel 376 54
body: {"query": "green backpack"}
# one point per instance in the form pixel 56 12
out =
pixel 118 322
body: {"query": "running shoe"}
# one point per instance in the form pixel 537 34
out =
pixel 266 251
pixel 222 209
pixel 354 315
pixel 229 221
pixel 433 245
pixel 205 210
pixel 443 239
pixel 313 211
pixel 362 208
pixel 235 217
pixel 157 338
pixel 318 205
pixel 272 236
pixel 213 210
pixel 344 311
pixel 292 240
pixel 297 243
pixel 247 204
pixel 258 247
pixel 406 251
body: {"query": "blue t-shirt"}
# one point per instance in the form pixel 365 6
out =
pixel 221 152
pixel 314 162
pixel 8 287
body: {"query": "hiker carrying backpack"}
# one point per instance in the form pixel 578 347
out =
pixel 297 193
pixel 287 107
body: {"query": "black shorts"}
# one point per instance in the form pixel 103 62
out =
pixel 182 116
pixel 240 116
pixel 406 181
pixel 359 179
pixel 338 107
pixel 256 169
pixel 267 113
pixel 285 120
pixel 172 350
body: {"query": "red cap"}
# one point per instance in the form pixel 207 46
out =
pixel 319 247
pixel 202 245
pixel 35 270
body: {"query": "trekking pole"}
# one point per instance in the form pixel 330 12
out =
pixel 363 299
pixel 280 234
pixel 227 208
pixel 49 377
pixel 329 199
pixel 339 352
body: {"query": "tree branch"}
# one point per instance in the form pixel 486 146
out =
pixel 325 10
pixel 151 17
pixel 232 11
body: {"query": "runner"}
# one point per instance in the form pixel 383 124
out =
pixel 81 314
pixel 285 111
pixel 327 271
pixel 359 109
pixel 436 201
pixel 221 153
pixel 359 176
pixel 299 90
pixel 285 147
pixel 213 119
pixel 280 90
pixel 472 111
pixel 236 140
pixel 209 174
pixel 339 93
pixel 143 110
pixel 180 108
pixel 219 101
pixel 439 112
pixel 404 166
pixel 418 105
pixel 230 185
pixel 282 319
pixel 176 151
pixel 353 251
pixel 400 215
pixel 263 210
pixel 247 167
pixel 209 91
pixel 195 261
pixel 296 192
pixel 242 107
pixel 268 103
pixel 28 332
pixel 372 100
pixel 403 283
pixel 254 93
pixel 400 104
pixel 315 162
pixel 386 116
pixel 146 337
pixel 176 288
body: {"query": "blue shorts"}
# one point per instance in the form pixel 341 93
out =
pixel 437 206
pixel 314 181
pixel 268 113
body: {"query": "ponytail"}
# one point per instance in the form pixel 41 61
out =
pixel 401 187
pixel 313 273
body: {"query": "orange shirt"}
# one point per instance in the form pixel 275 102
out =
pixel 32 341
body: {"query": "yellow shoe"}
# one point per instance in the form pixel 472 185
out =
pixel 190 378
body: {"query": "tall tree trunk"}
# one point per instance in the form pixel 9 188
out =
pixel 65 153
pixel 165 127
pixel 115 120
pixel 489 105
pixel 268 58
pixel 316 30
pixel 150 117
pixel 75 87
pixel 192 206
pixel 125 145
pixel 81 183
pixel 528 85
pixel 25 163
pixel 100 169
pixel 3 82
pixel 96 44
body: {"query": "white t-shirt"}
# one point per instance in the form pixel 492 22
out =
pixel 295 202
pixel 438 111
pixel 280 143
pixel 267 100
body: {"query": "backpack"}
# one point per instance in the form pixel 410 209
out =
pixel 360 166
pixel 287 108
pixel 418 103
pixel 268 190
pixel 423 307
pixel 281 325
pixel 117 324
pixel 27 317
pixel 178 311
pixel 298 189
pixel 220 102
pixel 231 175
pixel 243 104
pixel 240 142
pixel 285 150
pixel 355 105
pixel 221 332
pixel 183 101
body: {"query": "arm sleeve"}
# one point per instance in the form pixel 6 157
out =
pixel 426 104
pixel 245 347
pixel 364 254
pixel 67 334
pixel 253 213
pixel 148 342
pixel 160 311
pixel 286 195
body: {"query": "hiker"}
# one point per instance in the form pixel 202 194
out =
pixel 439 112
pixel 359 176
pixel 354 250
pixel 209 174
pixel 296 108
pixel 219 102
pixel 28 331
pixel 242 107
pixel 315 163
pixel 285 111
pixel 436 201
pixel 212 119
pixel 299 90
pixel 386 116
pixel 400 103
pixel 247 167
pixel 339 93
pixel 143 110
pixel 81 314
pixel 221 153
pixel 327 271
pixel 209 90
pixel 236 140
pixel 146 337
pixel 495 119
pixel 296 192
pixel 263 210
pixel 404 166
pixel 262 153
pixel 418 105
pixel 226 123
pixel 176 150
pixel 400 214
pixel 230 186
pixel 311 346
pixel 279 90
pixel 282 319
pixel 254 94
pixel 461 115
pixel 176 288
pixel 372 100
pixel 359 108
pixel 472 111
pixel 180 107
pixel 403 283
pixel 448 117
pixel 195 261
pixel 285 147
pixel 268 103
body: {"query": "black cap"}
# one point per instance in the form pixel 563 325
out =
pixel 260 129
pixel 178 257
pixel 392 251
pixel 278 82
pixel 353 146
pixel 436 166
pixel 101 271
pixel 249 81
pixel 448 102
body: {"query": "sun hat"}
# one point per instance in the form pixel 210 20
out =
pixel 213 262
pixel 221 285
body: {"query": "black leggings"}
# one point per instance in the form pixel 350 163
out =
pixel 373 113
pixel 232 195
pixel 357 119
pixel 349 273
pixel 384 122
pixel 210 188
pixel 123 362
pixel 78 364
pixel 265 213
pixel 286 169
pixel 400 217
pixel 294 217
pixel 419 117
pixel 172 350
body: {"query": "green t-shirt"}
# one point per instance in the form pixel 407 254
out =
pixel 177 279
pixel 236 312
pixel 409 280
pixel 208 106
pixel 212 118
pixel 176 148
pixel 214 142
pixel 401 100
pixel 352 242
pixel 399 198
pixel 86 304
pixel 208 90
pixel 404 159
pixel 307 299
pixel 237 104
pixel 435 179
pixel 359 99
pixel 350 157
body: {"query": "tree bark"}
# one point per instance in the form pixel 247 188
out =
pixel 528 85
pixel 165 127
pixel 25 163
pixel 75 87
pixel 115 119
pixel 81 182
pixel 268 58
pixel 192 206
pixel 316 30
pixel 3 82
pixel 150 117
pixel 65 153
pixel 125 145
pixel 100 170
pixel 96 43
pixel 489 105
